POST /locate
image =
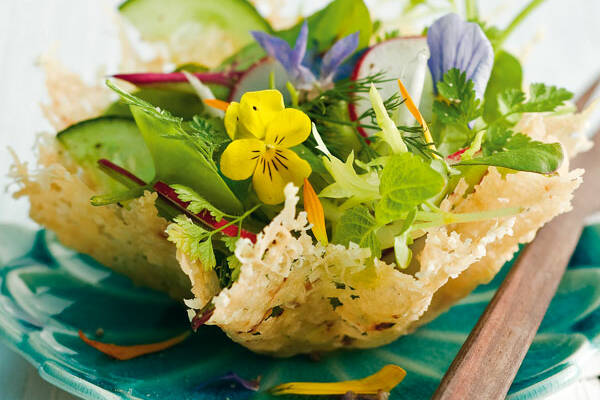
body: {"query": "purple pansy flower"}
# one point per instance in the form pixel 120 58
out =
pixel 455 43
pixel 291 59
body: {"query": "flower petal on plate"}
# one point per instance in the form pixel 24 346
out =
pixel 382 381
pixel 455 43
pixel 128 352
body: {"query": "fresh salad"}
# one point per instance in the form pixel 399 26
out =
pixel 330 185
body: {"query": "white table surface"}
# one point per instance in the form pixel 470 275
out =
pixel 559 45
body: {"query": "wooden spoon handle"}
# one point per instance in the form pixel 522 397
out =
pixel 489 360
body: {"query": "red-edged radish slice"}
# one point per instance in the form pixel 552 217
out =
pixel 399 58
pixel 257 77
pixel 152 78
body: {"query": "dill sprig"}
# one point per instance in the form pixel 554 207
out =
pixel 343 90
pixel 413 137
pixel 390 104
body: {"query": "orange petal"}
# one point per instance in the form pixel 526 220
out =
pixel 314 211
pixel 216 103
pixel 129 352
pixel 416 113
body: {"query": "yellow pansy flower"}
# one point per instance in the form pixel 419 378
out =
pixel 263 130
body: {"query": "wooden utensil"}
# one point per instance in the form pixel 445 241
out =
pixel 492 354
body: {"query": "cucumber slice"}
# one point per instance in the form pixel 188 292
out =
pixel 114 138
pixel 228 21
pixel 181 103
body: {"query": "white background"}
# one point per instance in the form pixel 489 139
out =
pixel 559 44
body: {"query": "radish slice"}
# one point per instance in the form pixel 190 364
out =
pixel 257 78
pixel 150 78
pixel 168 193
pixel 402 58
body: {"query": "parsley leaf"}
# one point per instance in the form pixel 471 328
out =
pixel 459 104
pixel 234 263
pixel 197 202
pixel 193 240
pixel 357 225
pixel 504 148
pixel 543 99
pixel 406 181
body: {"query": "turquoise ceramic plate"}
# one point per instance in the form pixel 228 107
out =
pixel 49 292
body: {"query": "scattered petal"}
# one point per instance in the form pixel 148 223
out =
pixel 383 381
pixel 334 57
pixel 314 212
pixel 455 43
pixel 249 384
pixel 128 352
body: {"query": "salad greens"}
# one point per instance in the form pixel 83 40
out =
pixel 379 192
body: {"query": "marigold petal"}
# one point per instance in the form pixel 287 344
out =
pixel 128 352
pixel 416 113
pixel 288 128
pixel 239 159
pixel 257 109
pixel 382 381
pixel 216 103
pixel 314 212
pixel 275 170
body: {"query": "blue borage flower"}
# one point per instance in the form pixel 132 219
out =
pixel 455 43
pixel 291 59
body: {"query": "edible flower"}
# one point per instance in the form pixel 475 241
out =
pixel 291 59
pixel 382 381
pixel 128 352
pixel 455 43
pixel 314 212
pixel 263 131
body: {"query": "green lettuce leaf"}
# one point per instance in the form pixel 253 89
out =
pixel 406 182
pixel 357 225
pixel 340 18
pixel 506 74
